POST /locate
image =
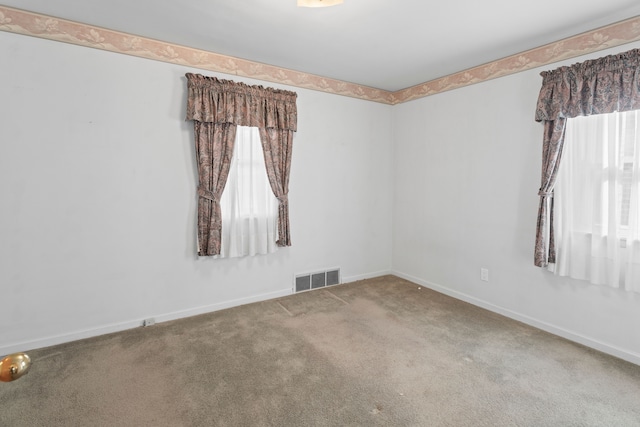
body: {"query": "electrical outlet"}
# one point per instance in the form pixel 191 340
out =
pixel 148 322
pixel 484 274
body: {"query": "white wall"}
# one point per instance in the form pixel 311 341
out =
pixel 467 172
pixel 98 205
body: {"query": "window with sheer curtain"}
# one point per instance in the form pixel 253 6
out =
pixel 249 207
pixel 597 196
pixel 217 107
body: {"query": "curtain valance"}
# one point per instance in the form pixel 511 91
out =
pixel 213 100
pixel 597 86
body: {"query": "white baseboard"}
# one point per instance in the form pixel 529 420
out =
pixel 536 323
pixel 72 336
pixel 373 275
pixel 130 324
pixel 117 327
pixel 221 306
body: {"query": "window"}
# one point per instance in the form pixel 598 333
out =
pixel 249 207
pixel 597 217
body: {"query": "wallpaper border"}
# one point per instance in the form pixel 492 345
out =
pixel 51 28
pixel 613 35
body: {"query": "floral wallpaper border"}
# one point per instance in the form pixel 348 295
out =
pixel 47 27
pixel 592 41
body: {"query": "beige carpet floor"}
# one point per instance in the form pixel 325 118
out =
pixel 379 352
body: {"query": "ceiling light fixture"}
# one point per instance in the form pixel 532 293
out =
pixel 318 3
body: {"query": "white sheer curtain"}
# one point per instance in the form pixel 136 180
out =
pixel 597 194
pixel 249 207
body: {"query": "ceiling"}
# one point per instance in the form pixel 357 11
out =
pixel 384 44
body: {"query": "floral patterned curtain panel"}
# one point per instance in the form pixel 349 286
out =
pixel 217 107
pixel 598 86
pixel 276 146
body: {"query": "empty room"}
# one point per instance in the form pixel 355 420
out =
pixel 319 213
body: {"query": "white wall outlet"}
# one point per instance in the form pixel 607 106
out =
pixel 484 274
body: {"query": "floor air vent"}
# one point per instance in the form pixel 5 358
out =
pixel 320 279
